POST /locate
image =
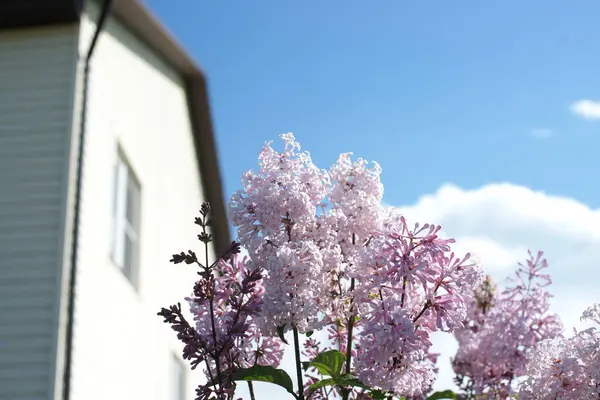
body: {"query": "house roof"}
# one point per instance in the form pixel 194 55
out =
pixel 140 21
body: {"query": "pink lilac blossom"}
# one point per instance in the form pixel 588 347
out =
pixel 275 213
pixel 237 301
pixel 303 225
pixel 334 256
pixel 566 368
pixel 225 303
pixel 501 329
pixel 411 285
pixel 355 216
pixel 355 197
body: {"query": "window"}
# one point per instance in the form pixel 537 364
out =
pixel 126 219
pixel 178 390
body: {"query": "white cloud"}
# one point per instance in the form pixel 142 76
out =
pixel 587 109
pixel 499 222
pixel 541 133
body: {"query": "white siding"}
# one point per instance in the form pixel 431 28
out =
pixel 122 350
pixel 37 74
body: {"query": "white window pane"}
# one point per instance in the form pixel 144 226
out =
pixel 119 214
pixel 114 219
pixel 130 256
pixel 133 202
pixel 115 194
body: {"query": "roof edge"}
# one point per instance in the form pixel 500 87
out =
pixel 142 23
pixel 206 152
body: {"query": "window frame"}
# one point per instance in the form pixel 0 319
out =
pixel 126 227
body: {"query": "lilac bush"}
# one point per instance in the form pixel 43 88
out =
pixel 324 254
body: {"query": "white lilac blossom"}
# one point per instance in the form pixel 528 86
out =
pixel 502 329
pixel 566 368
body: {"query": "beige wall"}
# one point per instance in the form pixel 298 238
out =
pixel 122 349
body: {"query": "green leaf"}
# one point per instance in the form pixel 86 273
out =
pixel 309 333
pixel 377 394
pixel 329 362
pixel 446 394
pixel 305 365
pixel 280 333
pixel 321 384
pixel 260 373
pixel 350 380
pixel 343 380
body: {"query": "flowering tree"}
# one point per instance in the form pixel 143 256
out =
pixel 323 254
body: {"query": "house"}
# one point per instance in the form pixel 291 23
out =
pixel 106 154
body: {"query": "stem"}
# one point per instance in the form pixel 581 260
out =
pixel 212 379
pixel 425 307
pixel 298 364
pixel 427 303
pixel 349 341
pixel 251 389
pixel 404 280
pixel 212 315
pixel 346 392
pixel 217 354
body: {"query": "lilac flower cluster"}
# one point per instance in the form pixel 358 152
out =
pixel 277 224
pixel 502 329
pixel 411 285
pixel 225 303
pixel 236 302
pixel 566 368
pixel 334 256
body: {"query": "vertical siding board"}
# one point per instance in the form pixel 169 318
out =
pixel 36 72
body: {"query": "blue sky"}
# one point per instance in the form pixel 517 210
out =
pixel 485 116
pixel 434 91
